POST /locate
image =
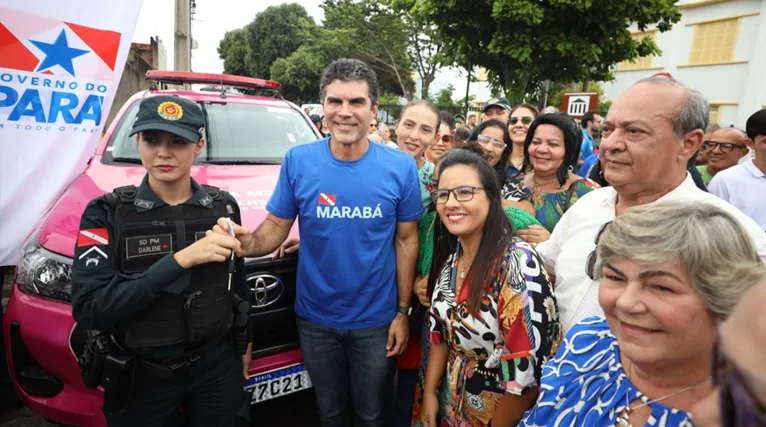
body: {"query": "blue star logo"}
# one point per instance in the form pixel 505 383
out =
pixel 58 53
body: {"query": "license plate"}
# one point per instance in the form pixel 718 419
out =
pixel 280 382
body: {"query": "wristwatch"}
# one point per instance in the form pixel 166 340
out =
pixel 403 310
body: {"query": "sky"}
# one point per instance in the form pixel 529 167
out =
pixel 213 18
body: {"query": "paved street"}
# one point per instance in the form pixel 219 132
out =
pixel 297 410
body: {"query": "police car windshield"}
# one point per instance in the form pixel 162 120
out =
pixel 236 134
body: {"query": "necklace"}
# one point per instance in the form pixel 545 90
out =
pixel 460 267
pixel 624 419
pixel 537 186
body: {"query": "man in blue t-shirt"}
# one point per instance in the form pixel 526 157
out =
pixel 358 205
pixel 591 122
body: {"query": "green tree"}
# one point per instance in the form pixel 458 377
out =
pixel 444 98
pixel 423 45
pixel 362 30
pixel 274 33
pixel 235 52
pixel 376 34
pixel 523 43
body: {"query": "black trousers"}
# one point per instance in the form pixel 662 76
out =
pixel 211 394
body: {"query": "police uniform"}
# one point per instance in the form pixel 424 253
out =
pixel 173 326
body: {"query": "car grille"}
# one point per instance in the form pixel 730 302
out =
pixel 272 312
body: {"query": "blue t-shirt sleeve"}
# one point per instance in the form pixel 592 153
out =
pixel 282 202
pixel 410 205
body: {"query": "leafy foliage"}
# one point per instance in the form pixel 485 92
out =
pixel 523 43
pixel 293 50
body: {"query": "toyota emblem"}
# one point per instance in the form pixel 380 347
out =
pixel 267 289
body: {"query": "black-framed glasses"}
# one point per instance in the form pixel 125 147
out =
pixel 726 147
pixel 482 139
pixel 738 406
pixel 462 194
pixel 526 120
pixel 590 264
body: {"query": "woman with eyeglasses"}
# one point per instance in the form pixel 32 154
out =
pixel 550 156
pixel 520 220
pixel 521 118
pixel 493 318
pixel 494 138
pixel 444 142
pixel 669 271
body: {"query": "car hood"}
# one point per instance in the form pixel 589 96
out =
pixel 251 186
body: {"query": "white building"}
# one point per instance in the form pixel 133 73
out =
pixel 718 48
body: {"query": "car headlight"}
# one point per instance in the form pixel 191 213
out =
pixel 45 273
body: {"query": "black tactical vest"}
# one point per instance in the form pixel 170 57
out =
pixel 204 310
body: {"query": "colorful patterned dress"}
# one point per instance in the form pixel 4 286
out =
pixel 586 385
pixel 520 219
pixel 503 350
pixel 549 207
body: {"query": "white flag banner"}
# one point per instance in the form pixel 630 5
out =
pixel 60 65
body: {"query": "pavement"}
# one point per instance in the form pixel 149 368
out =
pixel 295 410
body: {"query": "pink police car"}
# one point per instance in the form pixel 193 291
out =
pixel 247 138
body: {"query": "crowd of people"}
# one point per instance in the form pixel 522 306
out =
pixel 501 277
pixel 575 273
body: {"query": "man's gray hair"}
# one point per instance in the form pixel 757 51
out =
pixel 694 112
pixel 349 70
pixel 713 248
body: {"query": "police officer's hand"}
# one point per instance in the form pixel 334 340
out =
pixel 211 248
pixel 246 239
pixel 290 246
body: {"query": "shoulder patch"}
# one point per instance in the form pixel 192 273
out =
pixel 93 236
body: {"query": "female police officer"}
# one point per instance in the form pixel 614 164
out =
pixel 147 273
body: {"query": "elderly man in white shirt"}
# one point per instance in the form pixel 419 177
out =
pixel 744 186
pixel 650 133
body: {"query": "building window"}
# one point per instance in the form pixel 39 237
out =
pixel 714 42
pixel 642 63
pixel 715 112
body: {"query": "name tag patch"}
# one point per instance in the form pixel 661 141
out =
pixel 160 244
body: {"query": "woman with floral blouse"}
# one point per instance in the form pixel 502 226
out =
pixel 493 318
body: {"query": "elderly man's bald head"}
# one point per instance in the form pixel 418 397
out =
pixel 724 148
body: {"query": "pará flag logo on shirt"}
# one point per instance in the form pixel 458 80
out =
pixel 327 199
pixel 93 236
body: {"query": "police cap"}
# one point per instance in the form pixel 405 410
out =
pixel 172 114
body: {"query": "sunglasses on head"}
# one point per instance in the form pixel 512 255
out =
pixel 739 408
pixel 524 120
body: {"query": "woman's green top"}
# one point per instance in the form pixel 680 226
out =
pixel 520 219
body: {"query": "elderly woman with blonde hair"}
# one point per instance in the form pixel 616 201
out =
pixel 669 273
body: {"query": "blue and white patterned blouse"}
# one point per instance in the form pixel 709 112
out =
pixel 586 385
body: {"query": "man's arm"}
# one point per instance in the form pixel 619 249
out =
pixel 265 239
pixel 270 234
pixel 406 241
pixel 407 244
